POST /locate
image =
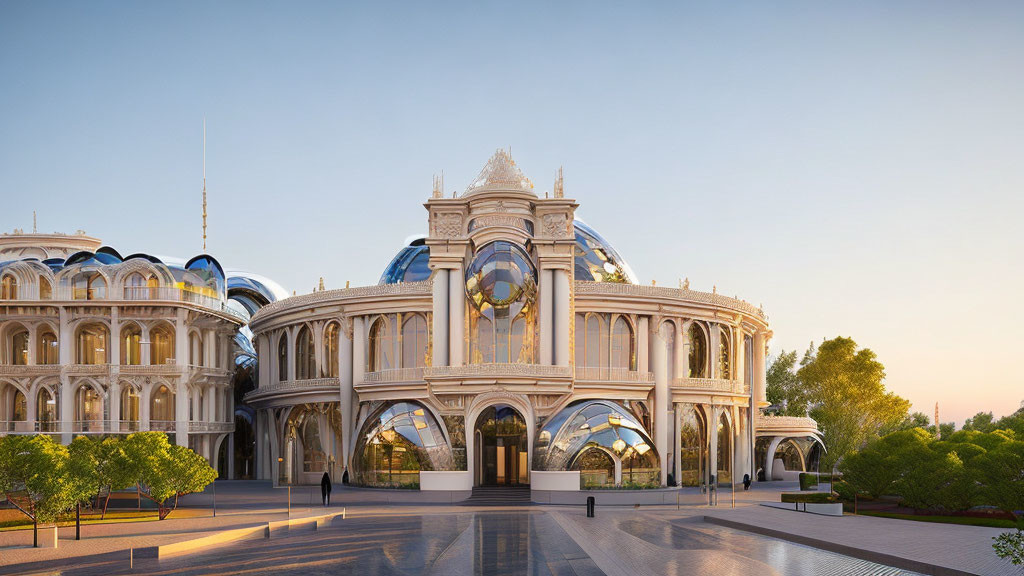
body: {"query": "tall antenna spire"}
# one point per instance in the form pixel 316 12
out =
pixel 204 184
pixel 35 229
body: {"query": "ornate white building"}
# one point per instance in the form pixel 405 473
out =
pixel 96 343
pixel 510 346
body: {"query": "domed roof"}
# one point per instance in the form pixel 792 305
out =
pixel 500 173
pixel 596 260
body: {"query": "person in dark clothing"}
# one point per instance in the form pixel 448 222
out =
pixel 325 489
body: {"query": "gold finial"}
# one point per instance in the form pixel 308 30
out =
pixel 714 289
pixel 654 282
pixel 346 284
pixel 559 185
pixel 294 293
pixel 204 184
pixel 686 283
pixel 35 228
pixel 321 283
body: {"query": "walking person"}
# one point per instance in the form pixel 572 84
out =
pixel 325 489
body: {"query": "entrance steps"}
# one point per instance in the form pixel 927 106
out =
pixel 499 496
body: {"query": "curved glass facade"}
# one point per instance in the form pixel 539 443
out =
pixel 501 284
pixel 398 441
pixel 603 424
pixel 409 265
pixel 596 259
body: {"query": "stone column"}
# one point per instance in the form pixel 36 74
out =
pixel 319 364
pixel 67 409
pixel 456 317
pixel 659 363
pixel 290 334
pixel 680 357
pixel 67 356
pixel 759 386
pixel 714 343
pixel 677 442
pixel 546 321
pixel 738 355
pixel 346 370
pixel 561 317
pixel 440 335
pixel 181 412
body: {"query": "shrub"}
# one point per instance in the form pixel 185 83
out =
pixel 808 481
pixel 812 498
pixel 1010 546
pixel 844 491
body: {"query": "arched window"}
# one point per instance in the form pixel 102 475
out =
pixel 161 345
pixel 724 354
pixel 92 343
pixel 46 410
pixel 305 358
pixel 135 287
pixel 622 345
pixel 45 289
pixel 161 407
pixel 595 342
pixel 195 349
pixel 693 447
pixel 47 349
pixel 89 286
pixel 131 345
pixel 520 347
pixel 129 409
pixel 414 341
pixel 19 407
pixel 698 352
pixel 88 407
pixel 332 335
pixel 282 358
pixel 153 285
pixel 19 348
pixel 9 287
pixel 724 450
pixel 381 346
pixel 484 349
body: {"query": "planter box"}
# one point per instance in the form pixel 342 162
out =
pixel 830 509
pixel 431 481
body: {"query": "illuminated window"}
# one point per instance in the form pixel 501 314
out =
pixel 89 286
pixel 19 407
pixel 46 410
pixel 47 350
pixel 130 405
pixel 45 289
pixel 698 352
pixel 92 343
pixel 693 447
pixel 8 288
pixel 331 339
pixel 724 451
pixel 131 345
pixel 161 345
pixel 724 354
pixel 161 407
pixel 19 348
pixel 88 405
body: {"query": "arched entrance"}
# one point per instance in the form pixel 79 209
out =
pixel 500 447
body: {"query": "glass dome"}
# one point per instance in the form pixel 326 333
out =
pixel 500 274
pixel 411 264
pixel 596 259
pixel 398 441
pixel 587 424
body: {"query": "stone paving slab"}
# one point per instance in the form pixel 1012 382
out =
pixel 928 547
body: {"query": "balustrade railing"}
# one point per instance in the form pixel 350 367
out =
pixel 770 421
pixel 395 375
pixel 603 374
pixel 512 370
pixel 198 427
pixel 711 384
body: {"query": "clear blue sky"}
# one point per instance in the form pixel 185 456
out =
pixel 858 169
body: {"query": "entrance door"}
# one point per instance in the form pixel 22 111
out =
pixel 501 451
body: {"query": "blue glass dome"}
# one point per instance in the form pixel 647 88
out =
pixel 409 265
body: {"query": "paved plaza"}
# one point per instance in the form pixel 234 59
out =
pixel 377 537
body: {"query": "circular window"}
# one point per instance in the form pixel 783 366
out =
pixel 500 274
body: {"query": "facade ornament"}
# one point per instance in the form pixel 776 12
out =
pixel 686 283
pixel 346 326
pixel 321 283
pixel 447 225
pixel 559 185
pixel 501 207
pixel 555 225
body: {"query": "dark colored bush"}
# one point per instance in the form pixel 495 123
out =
pixel 812 498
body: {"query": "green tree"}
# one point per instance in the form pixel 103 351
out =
pixel 161 470
pixel 1001 472
pixel 914 420
pixel 848 398
pixel 1010 546
pixel 783 387
pixel 34 476
pixel 982 422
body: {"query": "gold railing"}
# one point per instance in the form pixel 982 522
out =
pixel 414 374
pixel 602 374
pixel 711 384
